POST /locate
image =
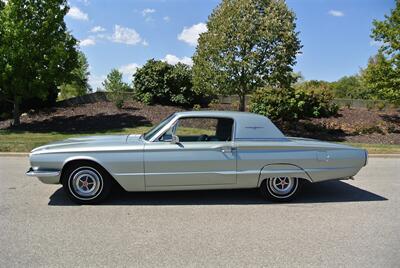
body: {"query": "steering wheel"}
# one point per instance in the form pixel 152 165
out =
pixel 203 137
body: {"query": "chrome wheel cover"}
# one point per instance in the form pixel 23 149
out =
pixel 282 186
pixel 85 183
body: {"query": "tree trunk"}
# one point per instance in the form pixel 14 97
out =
pixel 16 113
pixel 242 102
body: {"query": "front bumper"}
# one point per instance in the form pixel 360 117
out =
pixel 45 176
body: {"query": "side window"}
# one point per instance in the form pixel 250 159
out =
pixel 200 129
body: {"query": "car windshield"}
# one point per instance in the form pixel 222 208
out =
pixel 148 135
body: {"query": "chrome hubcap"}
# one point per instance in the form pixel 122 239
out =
pixel 86 182
pixel 281 185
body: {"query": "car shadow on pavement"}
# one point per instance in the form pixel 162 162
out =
pixel 323 192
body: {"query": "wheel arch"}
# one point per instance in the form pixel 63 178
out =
pixel 282 169
pixel 83 159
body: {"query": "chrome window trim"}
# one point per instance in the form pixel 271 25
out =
pixel 177 117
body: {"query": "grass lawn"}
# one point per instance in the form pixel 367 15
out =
pixel 378 148
pixel 13 141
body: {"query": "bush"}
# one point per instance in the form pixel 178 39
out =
pixel 118 98
pixel 292 104
pixel 158 82
pixel 119 103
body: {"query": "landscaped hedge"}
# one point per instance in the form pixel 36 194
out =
pixel 292 104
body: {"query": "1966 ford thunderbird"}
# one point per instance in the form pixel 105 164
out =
pixel 193 151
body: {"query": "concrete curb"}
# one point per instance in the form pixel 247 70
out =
pixel 5 154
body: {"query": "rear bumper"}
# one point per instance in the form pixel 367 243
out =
pixel 45 176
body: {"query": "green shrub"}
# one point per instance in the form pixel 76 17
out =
pixel 158 82
pixel 380 105
pixel 119 103
pixel 369 130
pixel 118 98
pixel 370 105
pixel 292 104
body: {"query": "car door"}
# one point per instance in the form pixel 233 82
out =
pixel 196 160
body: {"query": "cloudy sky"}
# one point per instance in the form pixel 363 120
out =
pixel 124 34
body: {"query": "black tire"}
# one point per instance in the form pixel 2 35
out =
pixel 269 188
pixel 86 175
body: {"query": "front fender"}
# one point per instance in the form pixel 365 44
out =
pixel 282 170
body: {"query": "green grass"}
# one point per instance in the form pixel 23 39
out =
pixel 378 148
pixel 23 141
pixel 15 141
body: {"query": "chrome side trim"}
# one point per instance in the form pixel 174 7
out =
pixel 42 173
pixel 177 173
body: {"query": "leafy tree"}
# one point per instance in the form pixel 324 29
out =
pixel 149 82
pixel 37 52
pixel 79 83
pixel 116 87
pixel 249 44
pixel 163 83
pixel 179 82
pixel 114 83
pixel 382 75
pixel 381 79
pixel 348 87
pixel 388 33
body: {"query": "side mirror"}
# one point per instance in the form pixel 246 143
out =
pixel 174 139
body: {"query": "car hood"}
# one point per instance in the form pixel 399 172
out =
pixel 91 143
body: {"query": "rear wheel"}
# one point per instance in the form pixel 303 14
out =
pixel 280 189
pixel 86 183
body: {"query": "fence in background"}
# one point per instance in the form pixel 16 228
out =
pixel 106 96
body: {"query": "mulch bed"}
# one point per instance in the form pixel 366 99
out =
pixel 351 124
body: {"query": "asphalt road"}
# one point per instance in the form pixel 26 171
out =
pixel 347 224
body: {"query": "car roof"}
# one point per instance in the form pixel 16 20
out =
pixel 249 126
pixel 218 113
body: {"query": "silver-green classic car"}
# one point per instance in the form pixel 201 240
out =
pixel 194 151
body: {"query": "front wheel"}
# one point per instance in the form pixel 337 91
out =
pixel 86 183
pixel 280 189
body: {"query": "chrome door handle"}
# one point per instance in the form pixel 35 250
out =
pixel 227 149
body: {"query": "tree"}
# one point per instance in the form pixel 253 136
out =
pixel 179 81
pixel 348 87
pixel 163 83
pixel 249 44
pixel 382 75
pixel 149 82
pixel 37 52
pixel 79 83
pixel 114 83
pixel 388 33
pixel 381 79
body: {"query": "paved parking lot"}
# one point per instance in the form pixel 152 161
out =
pixel 353 224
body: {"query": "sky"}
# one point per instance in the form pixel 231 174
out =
pixel 124 34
